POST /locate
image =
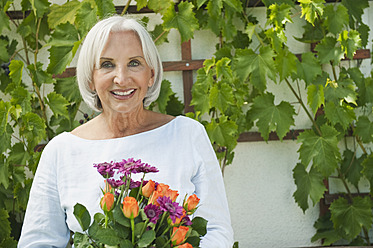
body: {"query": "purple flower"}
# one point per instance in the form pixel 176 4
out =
pixel 146 168
pixel 152 212
pixel 173 208
pixel 186 221
pixel 128 166
pixel 115 183
pixel 105 169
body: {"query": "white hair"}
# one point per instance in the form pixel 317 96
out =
pixel 91 50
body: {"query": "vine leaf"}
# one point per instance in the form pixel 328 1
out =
pixel 39 76
pixel 325 231
pixel 4 172
pixel 351 167
pixel 85 18
pixel 315 97
pixel 21 97
pixel 63 13
pixel 16 68
pixel 65 34
pixel 5 228
pixel 344 89
pixel 200 91
pixel 336 17
pixel 272 117
pixel 58 104
pixel 68 88
pixel 356 8
pixel 4 21
pixel 223 133
pixel 257 66
pixel 364 129
pixel 164 95
pixel 221 96
pixel 322 150
pixel 184 20
pixel 329 51
pixel 311 9
pixel 40 7
pixel 308 69
pixel 279 15
pixel 105 8
pixel 60 57
pixel 368 170
pixel 351 217
pixel 33 129
pixel 343 115
pixel 160 6
pixel 350 42
pixel 286 63
pixel 308 185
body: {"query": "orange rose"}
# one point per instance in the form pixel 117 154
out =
pixel 107 202
pixel 162 188
pixel 178 234
pixel 130 207
pixel 185 245
pixel 178 220
pixel 192 202
pixel 154 197
pixel 148 189
pixel 172 194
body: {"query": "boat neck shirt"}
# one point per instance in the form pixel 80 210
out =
pixel 180 150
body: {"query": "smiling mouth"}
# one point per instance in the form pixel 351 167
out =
pixel 123 93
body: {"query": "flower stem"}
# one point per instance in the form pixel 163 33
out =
pixel 133 230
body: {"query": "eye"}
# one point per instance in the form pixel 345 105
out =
pixel 134 63
pixel 106 64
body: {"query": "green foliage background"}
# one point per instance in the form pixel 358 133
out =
pixel 230 94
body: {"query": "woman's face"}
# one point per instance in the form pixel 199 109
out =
pixel 123 76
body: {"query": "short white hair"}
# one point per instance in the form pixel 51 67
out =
pixel 91 50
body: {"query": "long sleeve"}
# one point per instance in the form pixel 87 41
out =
pixel 44 224
pixel 210 188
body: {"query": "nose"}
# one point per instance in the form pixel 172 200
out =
pixel 121 75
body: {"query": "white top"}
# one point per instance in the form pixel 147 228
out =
pixel 65 176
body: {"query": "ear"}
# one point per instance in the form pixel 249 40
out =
pixel 151 80
pixel 92 86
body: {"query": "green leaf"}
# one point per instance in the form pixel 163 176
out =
pixel 21 97
pixel 364 34
pixel 336 17
pixel 325 231
pixel 329 51
pixel 272 117
pixel 104 235
pixel 146 238
pixel 63 13
pixel 224 132
pixel 368 170
pixel 161 6
pixel 312 9
pixel 5 138
pixel 309 68
pixel 286 63
pixel 16 69
pixel 58 104
pixel 200 92
pixel 4 224
pixel 40 7
pixel 65 34
pixel 4 172
pixel 339 114
pixel 82 215
pixel 4 21
pixel 105 8
pixel 364 129
pixel 258 66
pixel 350 42
pixel 322 150
pixel 315 97
pixel 68 88
pixel 351 167
pixel 120 218
pixel 343 89
pixel 199 224
pixel 60 57
pixel 223 69
pixel 18 155
pixel 184 20
pixel 164 96
pixel 312 32
pixel 33 129
pixel 85 18
pixel 81 241
pixel 351 217
pixel 221 96
pixel 279 15
pixel 39 76
pixel 159 35
pixel 308 185
pixel 356 8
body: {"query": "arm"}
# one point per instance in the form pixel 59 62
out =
pixel 210 188
pixel 44 224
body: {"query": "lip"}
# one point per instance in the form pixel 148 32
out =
pixel 123 94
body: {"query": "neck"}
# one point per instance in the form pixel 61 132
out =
pixel 119 125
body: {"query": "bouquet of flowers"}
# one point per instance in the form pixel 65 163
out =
pixel 138 213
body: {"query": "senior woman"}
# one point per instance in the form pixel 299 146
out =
pixel 119 73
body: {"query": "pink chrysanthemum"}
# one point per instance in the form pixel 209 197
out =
pixel 173 208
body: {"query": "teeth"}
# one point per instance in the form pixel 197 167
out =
pixel 123 93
